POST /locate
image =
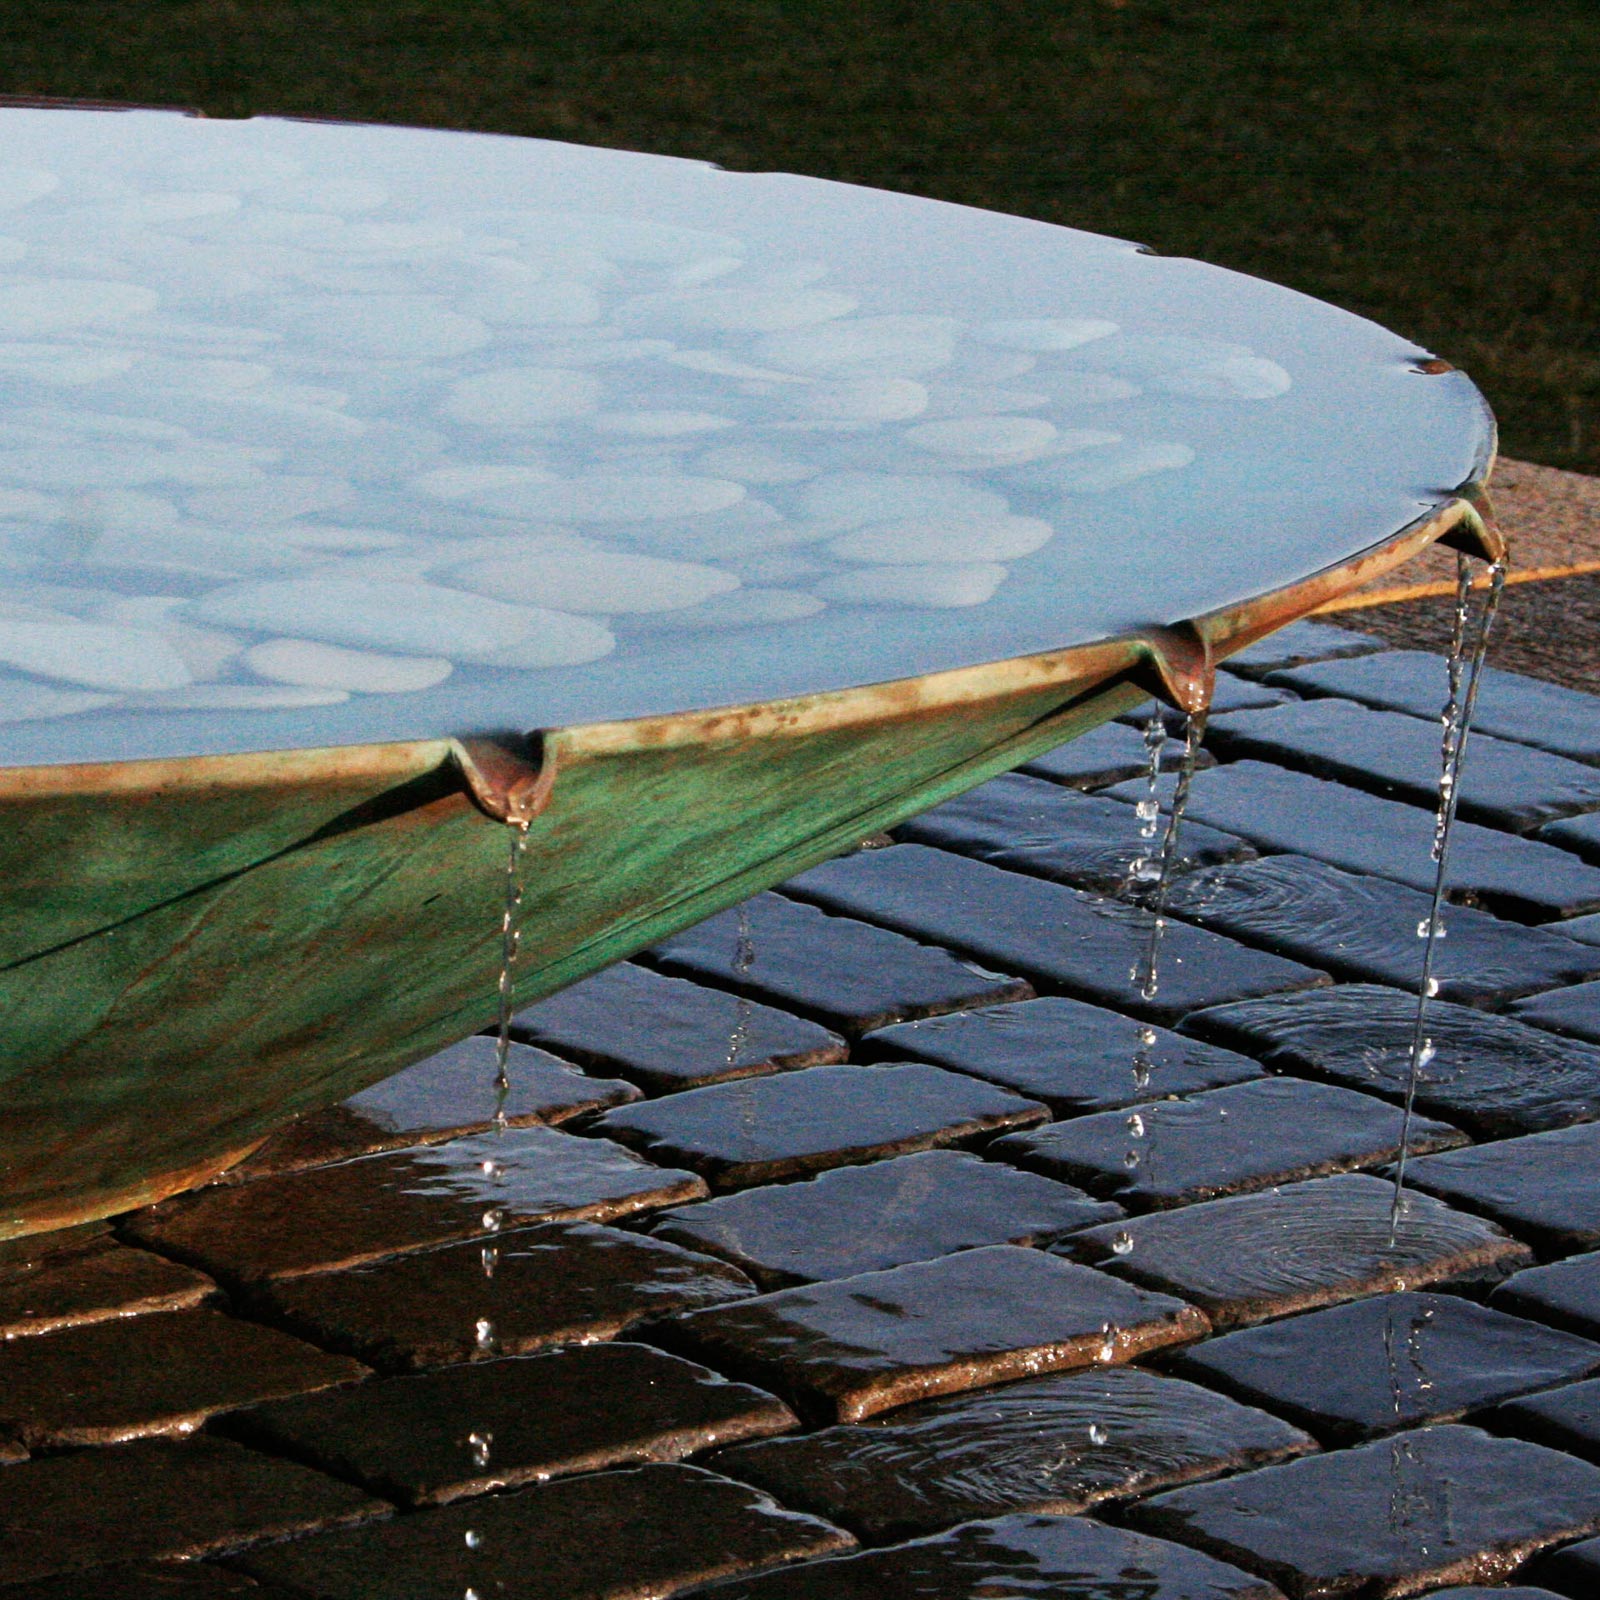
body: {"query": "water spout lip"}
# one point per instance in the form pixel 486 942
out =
pixel 1177 666
pixel 510 776
pixel 1477 533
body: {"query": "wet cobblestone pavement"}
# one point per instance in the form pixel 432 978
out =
pixel 912 1252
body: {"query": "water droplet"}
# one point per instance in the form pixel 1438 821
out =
pixel 490 1257
pixel 473 1539
pixel 1122 1243
pixel 494 1219
pixel 1108 1344
pixel 1147 1037
pixel 1131 1160
pixel 1097 1433
pixel 480 1443
pixel 490 1168
pixel 1136 1125
pixel 484 1334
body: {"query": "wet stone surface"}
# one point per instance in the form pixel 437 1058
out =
pixel 1029 825
pixel 1565 1294
pixel 149 1580
pixel 554 1284
pixel 650 1530
pixel 160 1499
pixel 1111 753
pixel 1294 813
pixel 759 1130
pixel 1586 930
pixel 1250 1257
pixel 1377 1366
pixel 1510 706
pixel 162 1373
pixel 1565 1419
pixel 1542 1188
pixel 1390 1517
pixel 449 1094
pixel 866 1219
pixel 361 1210
pixel 848 975
pixel 1364 929
pixel 1059 1444
pixel 1575 1011
pixel 665 1033
pixel 1503 785
pixel 87 1276
pixel 842 1351
pixel 1073 1056
pixel 1492 1075
pixel 1581 835
pixel 1056 937
pixel 574 1410
pixel 1016 1555
pixel 1574 1571
pixel 1299 643
pixel 1226 1141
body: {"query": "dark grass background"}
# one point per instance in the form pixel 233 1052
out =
pixel 1434 164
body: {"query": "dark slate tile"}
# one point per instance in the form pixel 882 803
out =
pixel 666 1033
pixel 1581 835
pixel 1073 1056
pixel 1565 1419
pixel 1574 1571
pixel 1059 1445
pixel 864 1219
pixel 1503 785
pixel 847 974
pixel 438 1436
pixel 1565 1294
pixel 758 1130
pixel 360 1210
pixel 1250 1257
pixel 1541 1187
pixel 164 1373
pixel 1491 1075
pixel 1586 930
pixel 628 1535
pixel 1055 936
pixel 1390 1517
pixel 148 1580
pixel 1225 1141
pixel 1391 1362
pixel 1302 642
pixel 441 1098
pixel 841 1351
pixel 1477 1591
pixel 1040 828
pixel 1574 1011
pixel 1063 1556
pixel 1295 814
pixel 160 1499
pixel 559 1283
pixel 1364 929
pixel 1111 753
pixel 55 1281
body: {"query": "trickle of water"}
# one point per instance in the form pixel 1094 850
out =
pixel 1108 1343
pixel 480 1444
pixel 510 946
pixel 1469 644
pixel 1146 975
pixel 1145 867
pixel 744 958
pixel 483 1334
pixel 1097 1433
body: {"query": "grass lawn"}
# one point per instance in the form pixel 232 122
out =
pixel 1431 163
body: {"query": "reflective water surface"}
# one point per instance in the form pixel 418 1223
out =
pixel 322 434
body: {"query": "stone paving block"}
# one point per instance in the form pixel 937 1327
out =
pixel 865 1219
pixel 1391 1362
pixel 1580 835
pixel 1111 753
pixel 449 1094
pixel 1250 1257
pixel 1492 1075
pixel 1387 1518
pixel 1073 1056
pixel 163 1373
pixel 149 1580
pixel 1541 1187
pixel 759 1130
pixel 556 1283
pixel 1510 705
pixel 1586 930
pixel 1566 1294
pixel 666 1033
pixel 1478 1591
pixel 1364 929
pixel 1040 828
pixel 847 974
pixel 1565 1419
pixel 536 1417
pixel 66 1280
pixel 628 1535
pixel 1054 936
pixel 1574 1011
pixel 1070 1557
pixel 1293 813
pixel 1503 785
pixel 361 1210
pixel 1059 1444
pixel 841 1351
pixel 1302 642
pixel 1574 1571
pixel 160 1499
pixel 1225 1141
